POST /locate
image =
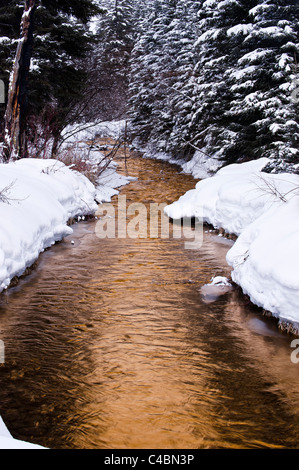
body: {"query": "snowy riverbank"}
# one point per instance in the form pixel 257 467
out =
pixel 263 211
pixel 37 200
pixel 200 166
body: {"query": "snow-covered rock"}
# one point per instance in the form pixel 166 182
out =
pixel 109 181
pixel 218 286
pixel 220 281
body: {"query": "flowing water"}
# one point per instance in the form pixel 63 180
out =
pixel 113 344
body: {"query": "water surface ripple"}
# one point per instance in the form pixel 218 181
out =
pixel 110 344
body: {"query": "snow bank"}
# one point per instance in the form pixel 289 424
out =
pixel 265 260
pixel 37 199
pixel 81 145
pixel 230 200
pixel 84 132
pixel 200 166
pixel 109 181
pixel 9 442
pixel 263 211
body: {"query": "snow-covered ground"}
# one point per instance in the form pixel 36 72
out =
pixel 88 131
pixel 39 196
pixel 81 142
pixel 263 211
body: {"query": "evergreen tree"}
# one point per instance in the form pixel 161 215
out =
pixel 61 43
pixel 219 77
pixel 180 43
pixel 271 52
pixel 152 76
pixel 109 64
pixel 216 51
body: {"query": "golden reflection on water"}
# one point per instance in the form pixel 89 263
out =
pixel 110 344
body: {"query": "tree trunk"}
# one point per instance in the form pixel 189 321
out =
pixel 15 137
pixel 56 138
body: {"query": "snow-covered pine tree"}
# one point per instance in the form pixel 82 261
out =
pixel 140 79
pixel 152 76
pixel 109 66
pixel 180 40
pixel 179 95
pixel 238 101
pixel 215 52
pixel 58 75
pixel 263 81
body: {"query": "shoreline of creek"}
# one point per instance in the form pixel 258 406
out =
pixel 121 343
pixel 282 325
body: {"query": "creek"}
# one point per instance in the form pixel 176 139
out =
pixel 112 343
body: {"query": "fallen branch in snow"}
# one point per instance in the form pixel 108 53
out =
pixel 4 193
pixel 77 130
pixel 271 187
pixel 195 147
pixel 52 169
